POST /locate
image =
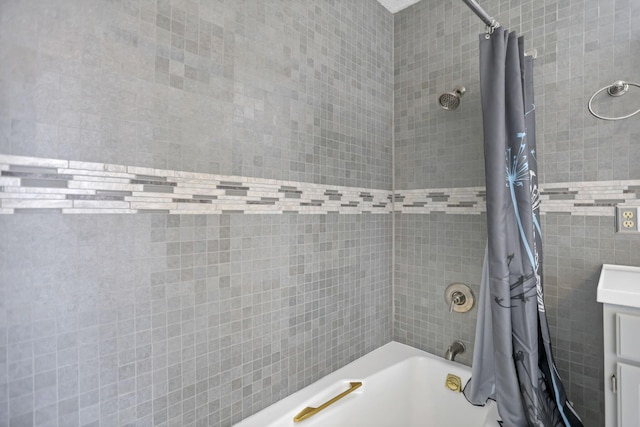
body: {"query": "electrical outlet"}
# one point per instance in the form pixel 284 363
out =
pixel 627 219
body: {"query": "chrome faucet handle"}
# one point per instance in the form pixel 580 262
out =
pixel 457 298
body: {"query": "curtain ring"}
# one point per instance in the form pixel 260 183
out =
pixel 490 28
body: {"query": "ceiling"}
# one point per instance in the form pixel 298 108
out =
pixel 397 5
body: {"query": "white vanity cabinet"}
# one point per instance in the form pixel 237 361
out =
pixel 617 290
pixel 622 365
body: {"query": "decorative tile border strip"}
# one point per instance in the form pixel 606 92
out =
pixel 462 200
pixel 33 184
pixel 589 198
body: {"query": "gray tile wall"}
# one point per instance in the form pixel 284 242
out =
pixel 575 249
pixel 167 320
pixel 582 46
pixel 435 49
pixel 433 251
pixel 182 320
pixel 290 90
pixel 111 317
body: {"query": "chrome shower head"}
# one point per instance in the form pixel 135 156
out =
pixel 451 100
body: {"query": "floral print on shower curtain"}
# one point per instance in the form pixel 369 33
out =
pixel 513 362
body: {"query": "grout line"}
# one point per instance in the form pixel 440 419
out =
pixel 393 194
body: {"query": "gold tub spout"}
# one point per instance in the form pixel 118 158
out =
pixel 309 411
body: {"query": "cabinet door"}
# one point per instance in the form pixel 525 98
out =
pixel 628 395
pixel 628 327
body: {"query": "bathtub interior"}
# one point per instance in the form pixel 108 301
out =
pixel 402 389
pixel 410 393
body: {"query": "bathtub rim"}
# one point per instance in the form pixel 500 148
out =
pixel 382 358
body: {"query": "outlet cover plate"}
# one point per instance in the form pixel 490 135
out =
pixel 627 220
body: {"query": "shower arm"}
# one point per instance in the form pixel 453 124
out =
pixel 488 20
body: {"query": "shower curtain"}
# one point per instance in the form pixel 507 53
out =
pixel 512 361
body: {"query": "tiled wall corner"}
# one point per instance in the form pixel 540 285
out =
pixel 433 251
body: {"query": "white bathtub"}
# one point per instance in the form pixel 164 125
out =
pixel 401 387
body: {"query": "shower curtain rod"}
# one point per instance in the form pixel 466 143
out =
pixel 491 23
pixel 484 16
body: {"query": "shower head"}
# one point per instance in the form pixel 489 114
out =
pixel 451 100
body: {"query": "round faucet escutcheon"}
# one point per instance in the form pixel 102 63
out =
pixel 459 297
